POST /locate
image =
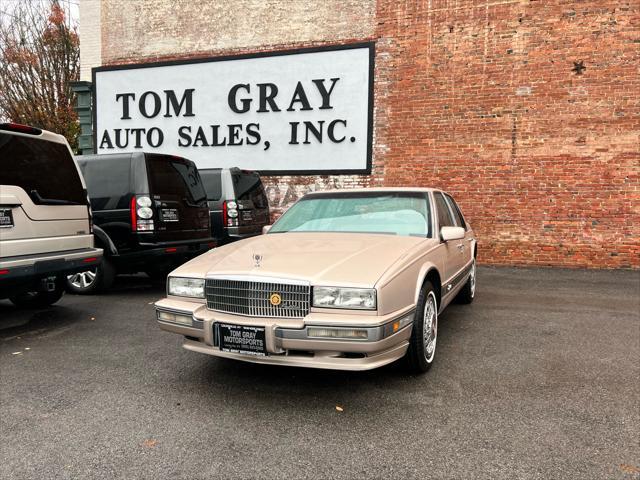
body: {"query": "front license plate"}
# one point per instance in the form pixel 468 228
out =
pixel 6 218
pixel 242 339
pixel 169 215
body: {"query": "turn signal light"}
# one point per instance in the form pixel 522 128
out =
pixel 174 318
pixel 345 333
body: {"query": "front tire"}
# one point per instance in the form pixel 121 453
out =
pixel 40 299
pixel 422 346
pixel 91 281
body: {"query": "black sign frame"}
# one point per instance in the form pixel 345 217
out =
pixel 328 48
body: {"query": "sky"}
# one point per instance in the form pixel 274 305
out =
pixel 70 6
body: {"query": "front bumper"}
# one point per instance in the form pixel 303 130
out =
pixel 287 342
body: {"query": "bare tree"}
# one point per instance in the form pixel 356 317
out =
pixel 39 57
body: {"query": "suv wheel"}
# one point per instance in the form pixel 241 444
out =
pixel 39 299
pixel 91 281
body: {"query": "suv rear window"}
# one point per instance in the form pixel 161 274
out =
pixel 174 177
pixel 247 186
pixel 43 169
pixel 212 180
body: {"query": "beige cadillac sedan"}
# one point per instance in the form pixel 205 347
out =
pixel 349 280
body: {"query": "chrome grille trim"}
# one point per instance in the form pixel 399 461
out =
pixel 249 296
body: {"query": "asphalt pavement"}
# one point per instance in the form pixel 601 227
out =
pixel 538 378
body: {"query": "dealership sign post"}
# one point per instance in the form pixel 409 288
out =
pixel 295 112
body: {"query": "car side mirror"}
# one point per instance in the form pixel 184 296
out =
pixel 266 229
pixel 451 233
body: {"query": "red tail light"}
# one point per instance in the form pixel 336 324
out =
pixel 171 250
pixel 4 272
pixel 90 260
pixel 134 216
pixel 230 213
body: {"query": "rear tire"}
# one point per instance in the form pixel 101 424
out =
pixel 468 292
pixel 39 299
pixel 91 281
pixel 422 345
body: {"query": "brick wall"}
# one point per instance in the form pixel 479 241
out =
pixel 485 100
pixel 90 37
pixel 526 111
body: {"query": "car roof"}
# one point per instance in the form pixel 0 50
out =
pixel 375 189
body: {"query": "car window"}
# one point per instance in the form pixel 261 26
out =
pixel 174 177
pixel 43 169
pixel 457 214
pixel 444 216
pixel 108 181
pixel 212 181
pixel 248 186
pixel 391 213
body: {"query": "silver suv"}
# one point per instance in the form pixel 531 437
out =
pixel 45 217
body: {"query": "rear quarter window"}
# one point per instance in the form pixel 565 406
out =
pixel 248 186
pixel 45 170
pixel 108 181
pixel 212 181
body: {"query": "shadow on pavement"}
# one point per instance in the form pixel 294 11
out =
pixel 16 321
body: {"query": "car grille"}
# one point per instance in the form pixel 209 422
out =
pixel 253 298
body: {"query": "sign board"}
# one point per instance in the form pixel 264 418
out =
pixel 295 112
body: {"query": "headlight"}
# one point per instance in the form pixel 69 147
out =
pixel 186 287
pixel 334 297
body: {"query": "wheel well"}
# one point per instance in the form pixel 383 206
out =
pixel 434 277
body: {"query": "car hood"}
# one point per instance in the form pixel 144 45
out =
pixel 345 259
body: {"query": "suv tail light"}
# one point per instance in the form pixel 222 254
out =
pixel 230 213
pixel 141 214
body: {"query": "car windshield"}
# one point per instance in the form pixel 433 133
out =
pixel 396 213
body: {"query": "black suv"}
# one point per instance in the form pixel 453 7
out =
pixel 237 202
pixel 150 215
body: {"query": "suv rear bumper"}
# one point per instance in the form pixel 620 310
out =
pixel 24 267
pixel 161 253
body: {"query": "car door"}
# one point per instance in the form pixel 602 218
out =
pixel 453 258
pixel 466 251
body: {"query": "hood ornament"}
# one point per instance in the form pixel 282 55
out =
pixel 257 259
